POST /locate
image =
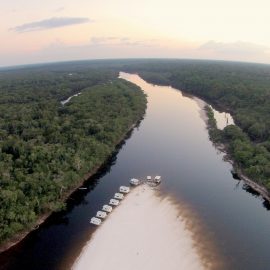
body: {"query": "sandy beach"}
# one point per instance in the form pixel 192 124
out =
pixel 145 232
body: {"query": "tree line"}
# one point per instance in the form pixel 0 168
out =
pixel 45 147
pixel 239 88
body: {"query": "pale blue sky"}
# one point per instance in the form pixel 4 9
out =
pixel 43 31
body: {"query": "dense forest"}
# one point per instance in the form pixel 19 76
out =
pixel 45 147
pixel 239 88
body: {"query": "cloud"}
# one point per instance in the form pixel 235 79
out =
pixel 59 9
pixel 99 47
pixel 55 22
pixel 239 47
pixel 239 50
pixel 120 41
pixel 102 40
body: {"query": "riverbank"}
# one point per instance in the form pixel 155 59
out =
pixel 21 235
pixel 257 187
pixel 145 232
pixel 220 107
pixel 211 127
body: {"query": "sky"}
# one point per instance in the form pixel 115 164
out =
pixel 59 30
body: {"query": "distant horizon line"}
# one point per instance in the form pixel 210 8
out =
pixel 21 66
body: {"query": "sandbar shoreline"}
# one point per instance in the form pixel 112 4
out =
pixel 146 231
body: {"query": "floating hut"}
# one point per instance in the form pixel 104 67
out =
pixel 119 196
pixel 114 202
pixel 107 208
pixel 135 182
pixel 157 179
pixel 101 214
pixel 95 221
pixel 124 189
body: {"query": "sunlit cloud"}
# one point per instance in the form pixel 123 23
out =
pixel 126 41
pixel 50 23
pixel 239 48
pixel 60 9
pixel 97 48
pixel 205 30
pixel 102 40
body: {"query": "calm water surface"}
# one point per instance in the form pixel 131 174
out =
pixel 223 119
pixel 172 141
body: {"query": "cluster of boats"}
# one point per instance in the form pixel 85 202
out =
pixel 107 208
pixel 118 196
pixel 149 180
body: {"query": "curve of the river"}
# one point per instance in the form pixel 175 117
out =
pixel 225 216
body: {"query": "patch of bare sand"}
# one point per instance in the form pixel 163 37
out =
pixel 145 232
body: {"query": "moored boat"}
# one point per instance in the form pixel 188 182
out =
pixel 119 196
pixel 101 214
pixel 95 221
pixel 157 179
pixel 114 202
pixel 107 208
pixel 135 182
pixel 124 189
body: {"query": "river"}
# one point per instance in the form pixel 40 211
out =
pixel 228 219
pixel 68 99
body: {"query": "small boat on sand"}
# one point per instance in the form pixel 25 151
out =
pixel 153 181
pixel 114 202
pixel 157 179
pixel 119 196
pixel 95 221
pixel 124 189
pixel 107 208
pixel 101 214
pixel 135 182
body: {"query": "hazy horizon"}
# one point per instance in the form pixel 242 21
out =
pixel 7 67
pixel 84 30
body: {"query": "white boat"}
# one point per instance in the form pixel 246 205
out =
pixel 107 208
pixel 101 214
pixel 95 221
pixel 149 178
pixel 124 189
pixel 114 202
pixel 135 182
pixel 157 179
pixel 119 196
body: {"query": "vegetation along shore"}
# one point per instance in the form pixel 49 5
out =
pixel 241 89
pixel 49 149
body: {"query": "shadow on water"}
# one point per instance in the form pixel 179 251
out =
pixel 20 256
pixel 256 194
pixel 78 196
pixel 266 205
pixel 172 141
pixel 250 190
pixel 235 175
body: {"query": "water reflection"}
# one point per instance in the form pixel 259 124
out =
pixel 223 118
pixel 250 190
pixel 197 174
pixel 52 238
pixel 172 141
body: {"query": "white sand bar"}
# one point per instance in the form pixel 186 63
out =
pixel 143 233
